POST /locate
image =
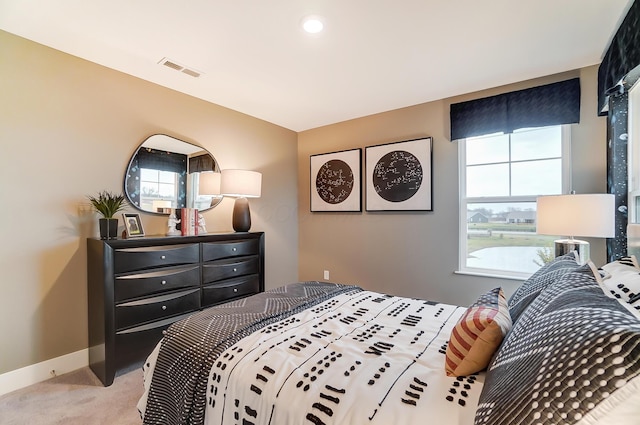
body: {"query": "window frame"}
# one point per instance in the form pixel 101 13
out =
pixel 633 154
pixel 173 199
pixel 463 201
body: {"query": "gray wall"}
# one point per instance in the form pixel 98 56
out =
pixel 416 254
pixel 68 128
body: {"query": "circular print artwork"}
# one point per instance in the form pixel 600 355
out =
pixel 334 181
pixel 397 176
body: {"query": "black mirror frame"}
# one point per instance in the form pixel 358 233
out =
pixel 188 147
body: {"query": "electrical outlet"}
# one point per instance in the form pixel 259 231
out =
pixel 326 275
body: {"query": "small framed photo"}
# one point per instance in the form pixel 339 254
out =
pixel 399 176
pixel 336 181
pixel 133 225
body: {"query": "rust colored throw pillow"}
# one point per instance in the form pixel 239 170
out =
pixel 478 334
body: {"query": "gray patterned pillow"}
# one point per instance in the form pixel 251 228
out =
pixel 572 358
pixel 531 288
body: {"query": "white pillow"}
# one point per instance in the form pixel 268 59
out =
pixel 622 279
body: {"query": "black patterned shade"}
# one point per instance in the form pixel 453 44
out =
pixel 621 58
pixel 551 104
pixel 161 160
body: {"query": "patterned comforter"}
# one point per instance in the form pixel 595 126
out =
pixel 310 353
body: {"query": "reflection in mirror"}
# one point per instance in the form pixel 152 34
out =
pixel 165 173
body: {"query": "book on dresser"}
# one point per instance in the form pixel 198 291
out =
pixel 138 287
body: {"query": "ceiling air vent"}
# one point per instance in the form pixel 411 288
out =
pixel 174 65
pixel 191 72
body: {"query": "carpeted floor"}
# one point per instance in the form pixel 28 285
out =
pixel 76 398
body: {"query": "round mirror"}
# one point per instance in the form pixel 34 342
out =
pixel 166 173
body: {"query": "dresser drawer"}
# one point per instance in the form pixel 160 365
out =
pixel 226 269
pixel 135 344
pixel 132 259
pixel 160 280
pixel 217 250
pixel 155 308
pixel 233 288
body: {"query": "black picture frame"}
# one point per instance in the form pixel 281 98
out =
pixel 133 225
pixel 336 181
pixel 399 176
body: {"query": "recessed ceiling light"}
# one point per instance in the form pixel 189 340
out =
pixel 312 24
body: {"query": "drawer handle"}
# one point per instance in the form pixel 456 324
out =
pixel 164 332
pixel 235 269
pixel 235 289
pixel 164 282
pixel 162 257
pixel 234 249
pixel 164 307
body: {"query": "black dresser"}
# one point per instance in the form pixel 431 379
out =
pixel 138 287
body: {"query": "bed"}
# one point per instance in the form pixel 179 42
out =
pixel 564 349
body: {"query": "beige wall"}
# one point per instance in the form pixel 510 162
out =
pixel 416 254
pixel 67 129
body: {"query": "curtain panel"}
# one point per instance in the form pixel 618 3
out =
pixel 550 104
pixel 618 72
pixel 621 58
pixel 200 163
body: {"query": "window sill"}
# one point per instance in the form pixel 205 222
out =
pixel 520 278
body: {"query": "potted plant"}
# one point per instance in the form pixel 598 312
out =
pixel 108 204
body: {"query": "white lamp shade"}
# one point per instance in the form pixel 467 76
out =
pixel 241 183
pixel 209 183
pixel 158 203
pixel 590 215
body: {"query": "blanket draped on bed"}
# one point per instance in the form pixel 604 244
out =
pixel 360 358
pixel 177 394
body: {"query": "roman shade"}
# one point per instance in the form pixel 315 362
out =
pixel 551 104
pixel 163 161
pixel 620 59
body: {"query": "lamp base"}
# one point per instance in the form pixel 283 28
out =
pixel 241 215
pixel 582 248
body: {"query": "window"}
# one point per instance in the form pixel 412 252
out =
pixel 157 185
pixel 634 155
pixel 501 176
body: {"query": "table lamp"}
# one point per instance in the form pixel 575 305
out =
pixel 241 184
pixel 588 215
pixel 161 206
pixel 209 184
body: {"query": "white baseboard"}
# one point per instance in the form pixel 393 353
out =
pixel 42 371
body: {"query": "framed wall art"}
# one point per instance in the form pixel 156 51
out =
pixel 133 225
pixel 336 181
pixel 399 176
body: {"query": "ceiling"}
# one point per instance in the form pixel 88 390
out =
pixel 373 56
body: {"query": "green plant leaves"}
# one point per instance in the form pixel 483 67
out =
pixel 107 203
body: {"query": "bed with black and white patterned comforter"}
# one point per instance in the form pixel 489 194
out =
pixel 310 353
